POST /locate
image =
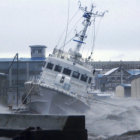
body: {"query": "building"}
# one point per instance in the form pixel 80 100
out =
pixel 130 90
pixel 28 68
pixel 3 87
pixel 17 72
pixel 112 78
pixel 107 65
pixel 3 82
pixel 38 52
pixel 106 78
pixel 123 90
pixel 135 84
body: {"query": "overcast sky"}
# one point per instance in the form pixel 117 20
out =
pixel 30 22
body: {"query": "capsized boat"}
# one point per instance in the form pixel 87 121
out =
pixel 66 78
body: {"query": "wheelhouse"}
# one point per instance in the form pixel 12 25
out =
pixel 75 71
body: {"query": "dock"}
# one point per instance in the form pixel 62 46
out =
pixel 42 127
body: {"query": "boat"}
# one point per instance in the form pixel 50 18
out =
pixel 66 77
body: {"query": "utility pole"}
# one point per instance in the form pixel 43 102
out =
pixel 121 70
pixel 15 58
pixel 17 78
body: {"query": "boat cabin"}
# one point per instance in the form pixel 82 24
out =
pixel 68 68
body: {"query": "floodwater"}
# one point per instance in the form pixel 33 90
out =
pixel 4 109
pixel 112 117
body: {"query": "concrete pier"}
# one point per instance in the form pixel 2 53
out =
pixel 42 127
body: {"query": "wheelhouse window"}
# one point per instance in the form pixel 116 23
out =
pixel 84 77
pixel 58 68
pixel 67 71
pixel 89 80
pixel 76 74
pixel 50 66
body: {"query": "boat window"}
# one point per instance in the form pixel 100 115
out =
pixel 84 78
pixel 58 68
pixel 67 71
pixel 76 74
pixel 89 80
pixel 50 66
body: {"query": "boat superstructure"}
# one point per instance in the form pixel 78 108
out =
pixel 66 78
pixel 61 81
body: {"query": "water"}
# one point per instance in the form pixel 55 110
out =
pixel 109 117
pixel 4 109
pixel 112 117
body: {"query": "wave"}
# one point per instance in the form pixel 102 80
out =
pixel 4 109
pixel 113 117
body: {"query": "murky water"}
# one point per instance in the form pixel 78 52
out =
pixel 109 117
pixel 112 117
pixel 4 109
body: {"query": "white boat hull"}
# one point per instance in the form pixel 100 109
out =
pixel 52 101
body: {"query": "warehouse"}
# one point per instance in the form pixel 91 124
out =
pixel 123 90
pixel 135 91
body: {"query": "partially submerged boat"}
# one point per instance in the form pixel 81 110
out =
pixel 66 78
pixel 63 87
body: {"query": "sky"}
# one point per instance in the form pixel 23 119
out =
pixel 32 22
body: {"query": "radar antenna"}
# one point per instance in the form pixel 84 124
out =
pixel 87 22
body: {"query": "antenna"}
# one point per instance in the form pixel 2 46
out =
pixel 87 22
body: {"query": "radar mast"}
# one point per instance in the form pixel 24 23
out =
pixel 88 15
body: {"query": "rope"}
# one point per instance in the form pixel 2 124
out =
pixel 88 49
pixel 26 97
pixel 69 41
pixel 67 25
pixel 93 41
pixel 71 19
pixel 71 31
pixel 74 25
pixel 95 33
pixel 98 27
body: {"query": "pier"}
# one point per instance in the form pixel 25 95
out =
pixel 42 127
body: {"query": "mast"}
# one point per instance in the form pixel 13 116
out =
pixel 88 15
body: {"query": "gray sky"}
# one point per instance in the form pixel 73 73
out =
pixel 29 22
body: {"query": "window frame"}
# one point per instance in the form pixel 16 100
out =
pixel 50 67
pixel 76 77
pixel 82 78
pixel 57 69
pixel 67 73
